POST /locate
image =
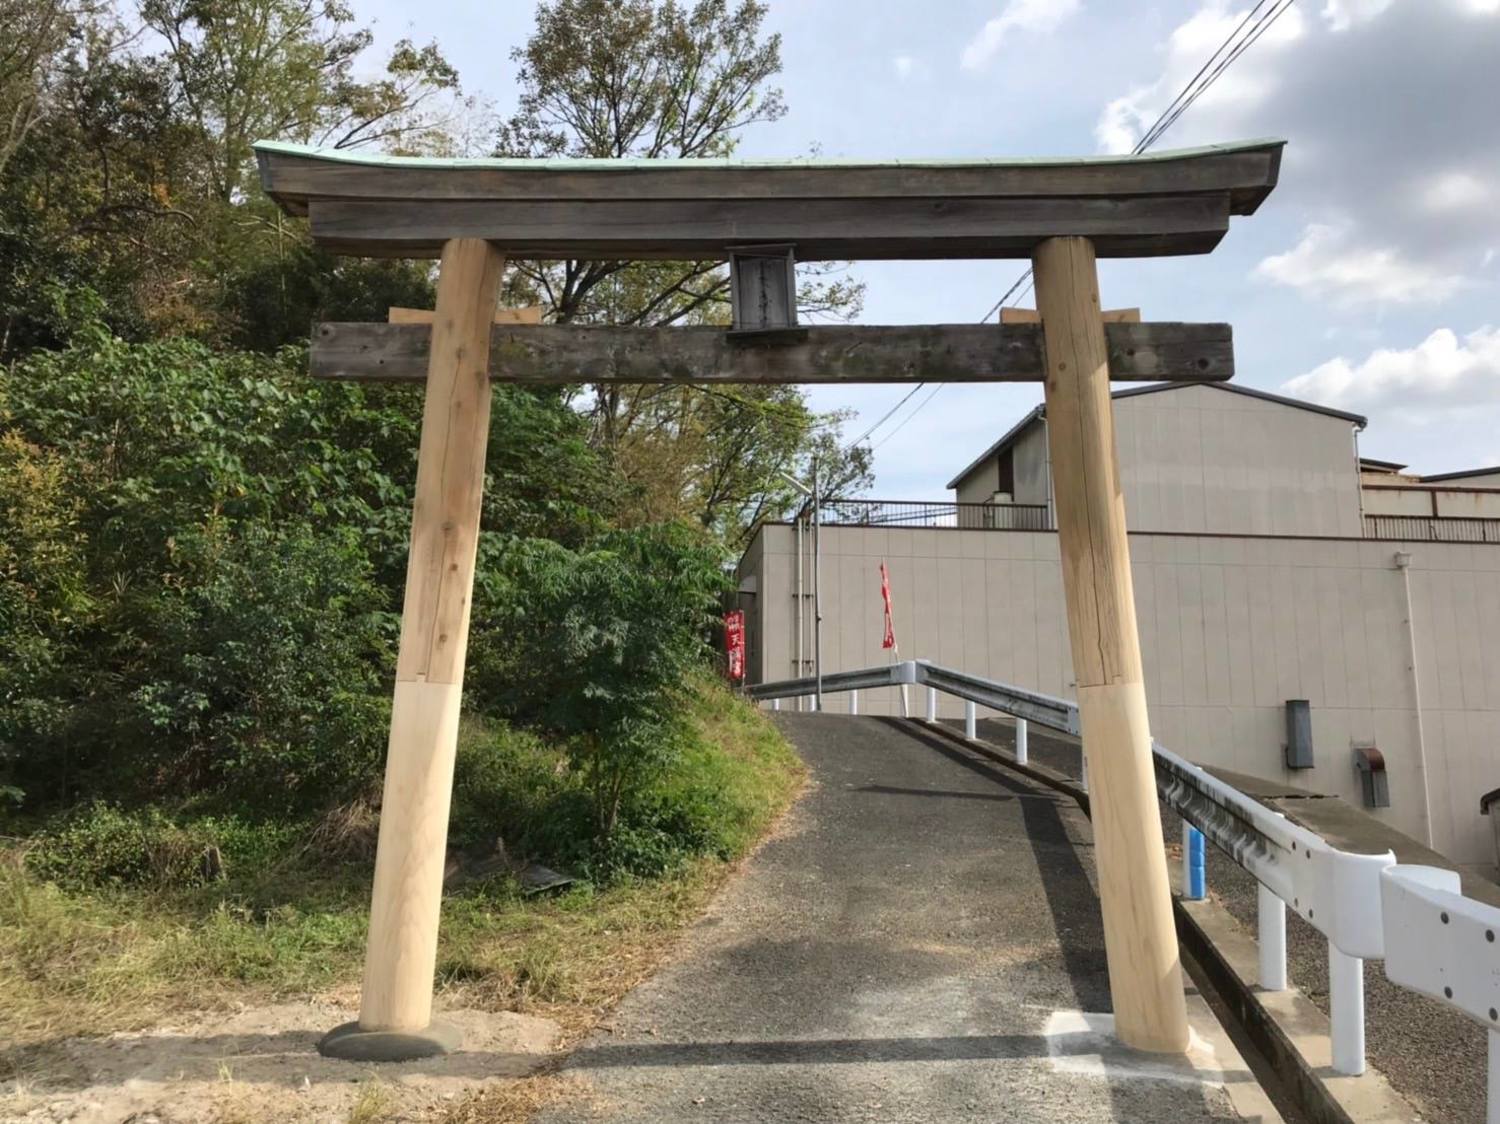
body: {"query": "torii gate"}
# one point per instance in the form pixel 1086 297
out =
pixel 763 215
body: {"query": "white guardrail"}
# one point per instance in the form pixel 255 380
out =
pixel 1433 939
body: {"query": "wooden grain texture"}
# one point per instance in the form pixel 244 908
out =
pixel 531 314
pixel 405 903
pixel 1135 897
pixel 1246 173
pixel 552 354
pixel 820 229
pixel 1010 315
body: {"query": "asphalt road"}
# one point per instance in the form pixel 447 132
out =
pixel 899 951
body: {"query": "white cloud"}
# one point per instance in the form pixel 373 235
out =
pixel 1125 119
pixel 1455 191
pixel 905 67
pixel 1036 16
pixel 1440 373
pixel 1393 184
pixel 1325 264
pixel 1341 15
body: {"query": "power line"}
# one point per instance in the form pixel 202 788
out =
pixel 909 416
pixel 1235 44
pixel 885 417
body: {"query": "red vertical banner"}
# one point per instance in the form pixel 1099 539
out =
pixel 885 596
pixel 734 644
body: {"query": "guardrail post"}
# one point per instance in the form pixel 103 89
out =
pixel 1022 751
pixel 1346 1011
pixel 1083 775
pixel 1271 923
pixel 932 704
pixel 1194 868
pixel 775 704
pixel 854 702
pixel 971 723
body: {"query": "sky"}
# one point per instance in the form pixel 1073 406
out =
pixel 1368 280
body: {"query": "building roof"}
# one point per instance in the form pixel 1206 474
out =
pixel 1495 471
pixel 1380 466
pixel 1357 420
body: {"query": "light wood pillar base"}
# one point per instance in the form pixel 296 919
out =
pixel 1145 973
pixel 404 908
pixel 1135 892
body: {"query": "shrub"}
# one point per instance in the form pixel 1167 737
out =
pixel 199 552
pixel 596 647
pixel 42 598
pixel 730 774
pixel 258 678
pixel 101 845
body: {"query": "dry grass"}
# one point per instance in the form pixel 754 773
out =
pixel 374 1104
pixel 75 963
pixel 512 1102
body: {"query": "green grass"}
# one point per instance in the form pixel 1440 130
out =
pixel 78 959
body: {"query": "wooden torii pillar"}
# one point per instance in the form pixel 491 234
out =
pixel 1140 938
pixel 1060 214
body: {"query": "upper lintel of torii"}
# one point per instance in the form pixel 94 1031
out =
pixel 763 216
pixel 1165 203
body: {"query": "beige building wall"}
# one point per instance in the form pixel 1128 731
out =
pixel 978 486
pixel 1033 469
pixel 1206 460
pixel 1231 627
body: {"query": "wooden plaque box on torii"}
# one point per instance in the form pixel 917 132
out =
pixel 1061 214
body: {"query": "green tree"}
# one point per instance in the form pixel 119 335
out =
pixel 248 70
pixel 653 79
pixel 31 49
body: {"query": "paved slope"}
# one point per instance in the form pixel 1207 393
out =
pixel 894 954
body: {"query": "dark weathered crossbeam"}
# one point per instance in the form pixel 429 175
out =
pixel 620 210
pixel 821 229
pixel 551 354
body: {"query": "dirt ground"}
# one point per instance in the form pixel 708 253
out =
pixel 260 1064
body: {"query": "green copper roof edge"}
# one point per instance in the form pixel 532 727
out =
pixel 346 156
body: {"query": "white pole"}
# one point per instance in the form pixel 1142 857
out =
pixel 1022 752
pixel 1403 563
pixel 775 704
pixel 932 704
pixel 817 586
pixel 853 702
pixel 801 611
pixel 1493 1115
pixel 971 720
pixel 1083 776
pixel 1271 920
pixel 1346 1003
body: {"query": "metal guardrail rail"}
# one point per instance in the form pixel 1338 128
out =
pixel 938 513
pixel 1433 940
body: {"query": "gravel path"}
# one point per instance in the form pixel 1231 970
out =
pixel 900 951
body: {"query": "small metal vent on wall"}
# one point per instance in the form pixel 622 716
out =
pixel 1374 784
pixel 1299 744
